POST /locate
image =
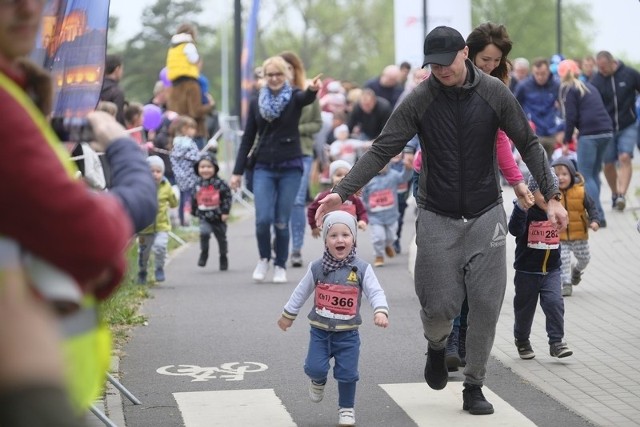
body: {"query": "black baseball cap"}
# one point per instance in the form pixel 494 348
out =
pixel 442 45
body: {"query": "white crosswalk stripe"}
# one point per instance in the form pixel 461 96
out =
pixel 262 407
pixel 233 408
pixel 429 407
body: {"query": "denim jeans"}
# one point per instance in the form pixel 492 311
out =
pixel 623 142
pixel 274 192
pixel 344 347
pixel 156 243
pixel 299 213
pixel 591 150
pixel 548 287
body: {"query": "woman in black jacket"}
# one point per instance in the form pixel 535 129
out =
pixel 277 156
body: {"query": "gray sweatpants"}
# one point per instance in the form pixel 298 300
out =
pixel 458 257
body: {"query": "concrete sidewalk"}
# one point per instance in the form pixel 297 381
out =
pixel 601 381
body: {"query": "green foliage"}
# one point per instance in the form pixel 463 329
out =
pixel 532 26
pixel 145 54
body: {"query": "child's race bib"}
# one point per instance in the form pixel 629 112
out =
pixel 543 235
pixel 381 200
pixel 208 198
pixel 349 207
pixel 336 301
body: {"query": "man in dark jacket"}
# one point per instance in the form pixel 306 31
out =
pixel 538 95
pixel 618 85
pixel 111 90
pixel 461 225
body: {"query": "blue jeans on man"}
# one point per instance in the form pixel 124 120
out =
pixel 591 149
pixel 299 212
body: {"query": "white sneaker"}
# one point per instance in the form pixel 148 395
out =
pixel 261 270
pixel 316 392
pixel 279 275
pixel 346 417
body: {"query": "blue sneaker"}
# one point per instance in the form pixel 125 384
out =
pixel 159 275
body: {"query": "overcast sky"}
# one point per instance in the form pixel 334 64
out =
pixel 615 21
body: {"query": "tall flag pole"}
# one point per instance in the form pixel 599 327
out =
pixel 246 61
pixel 72 46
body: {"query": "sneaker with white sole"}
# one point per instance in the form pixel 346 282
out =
pixel 560 350
pixel 316 392
pixel 346 417
pixel 261 269
pixel 279 275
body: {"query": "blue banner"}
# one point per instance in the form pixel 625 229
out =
pixel 246 60
pixel 72 46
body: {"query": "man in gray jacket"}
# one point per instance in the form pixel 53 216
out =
pixel 461 222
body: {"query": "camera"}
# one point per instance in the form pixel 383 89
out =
pixel 72 129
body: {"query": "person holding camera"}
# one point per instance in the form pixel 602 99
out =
pixel 51 215
pixel 273 117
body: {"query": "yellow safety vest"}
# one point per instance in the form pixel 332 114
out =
pixel 87 339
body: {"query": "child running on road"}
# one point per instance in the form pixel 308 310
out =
pixel 337 170
pixel 337 281
pixel 211 203
pixel 537 265
pixel 380 197
pixel 156 236
pixel 583 215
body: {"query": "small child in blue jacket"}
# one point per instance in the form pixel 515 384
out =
pixel 538 274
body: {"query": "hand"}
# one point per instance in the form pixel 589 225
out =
pixel 105 130
pixel 235 181
pixel 284 323
pixel 594 226
pixel 565 149
pixel 224 217
pixel 362 225
pixel 557 214
pixel 315 232
pixel 316 83
pixel 381 319
pixel 31 347
pixel 330 202
pixel 525 197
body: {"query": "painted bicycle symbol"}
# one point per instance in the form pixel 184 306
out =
pixel 231 371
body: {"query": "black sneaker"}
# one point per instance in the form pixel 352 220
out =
pixel 202 261
pixel 559 350
pixel 474 401
pixel 452 355
pixel 142 278
pixel 620 202
pixel 296 259
pixel 224 263
pixel 435 371
pixel 524 350
pixel 576 276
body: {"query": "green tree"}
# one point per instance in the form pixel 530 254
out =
pixel 145 54
pixel 532 26
pixel 340 38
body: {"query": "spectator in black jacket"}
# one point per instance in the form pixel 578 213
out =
pixel 369 116
pixel 111 90
pixel 618 85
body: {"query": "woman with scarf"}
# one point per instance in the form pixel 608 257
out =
pixel 277 161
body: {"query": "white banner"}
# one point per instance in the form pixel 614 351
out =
pixel 409 24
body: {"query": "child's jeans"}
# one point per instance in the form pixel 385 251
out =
pixel 383 235
pixel 580 249
pixel 158 243
pixel 344 347
pixel 528 287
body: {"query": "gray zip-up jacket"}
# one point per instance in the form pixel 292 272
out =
pixel 457 128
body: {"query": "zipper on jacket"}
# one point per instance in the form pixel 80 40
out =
pixel 615 103
pixel 460 158
pixel 547 253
